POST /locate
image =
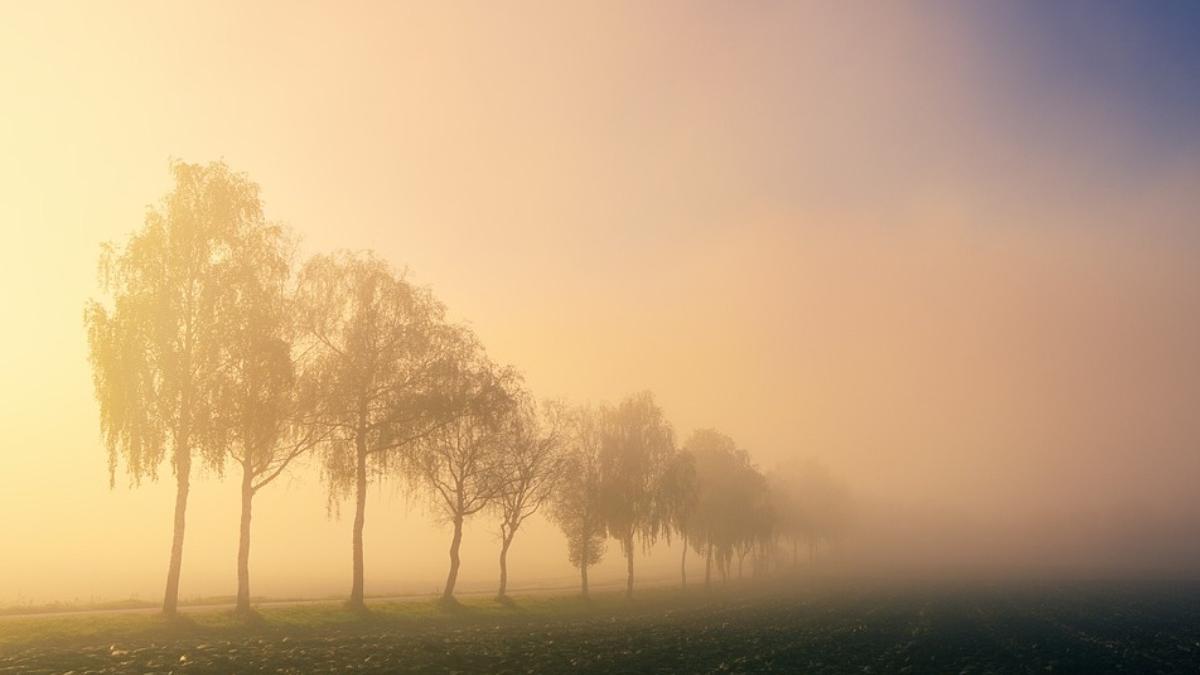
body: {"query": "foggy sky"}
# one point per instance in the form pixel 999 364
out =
pixel 949 249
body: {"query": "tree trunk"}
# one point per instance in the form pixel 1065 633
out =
pixel 683 562
pixel 183 470
pixel 243 563
pixel 583 578
pixel 505 543
pixel 360 507
pixel 741 559
pixel 629 561
pixel 452 578
pixel 795 560
pixel 708 567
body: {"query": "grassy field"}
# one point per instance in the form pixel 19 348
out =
pixel 1082 628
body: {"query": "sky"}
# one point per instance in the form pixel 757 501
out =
pixel 948 248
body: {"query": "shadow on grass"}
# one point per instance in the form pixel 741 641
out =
pixel 357 608
pixel 250 618
pixel 450 605
pixel 178 622
pixel 333 618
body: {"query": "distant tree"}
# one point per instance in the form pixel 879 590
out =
pixel 791 522
pixel 577 503
pixel 677 498
pixel 379 354
pixel 531 466
pixel 637 447
pixel 752 510
pixel 825 501
pixel 728 490
pixel 156 350
pixel 461 463
pixel 812 505
pixel 262 413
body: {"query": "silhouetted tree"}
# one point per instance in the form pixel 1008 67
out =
pixel 577 504
pixel 531 465
pixel 461 463
pixel 156 350
pixel 380 354
pixel 636 449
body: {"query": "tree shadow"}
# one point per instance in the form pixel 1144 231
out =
pixel 359 609
pixel 450 604
pixel 179 624
pixel 250 618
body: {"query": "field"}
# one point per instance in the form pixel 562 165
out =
pixel 839 627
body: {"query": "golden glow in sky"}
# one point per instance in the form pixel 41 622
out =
pixel 860 233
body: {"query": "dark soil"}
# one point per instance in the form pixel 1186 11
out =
pixel 1095 628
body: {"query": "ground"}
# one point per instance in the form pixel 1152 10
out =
pixel 837 627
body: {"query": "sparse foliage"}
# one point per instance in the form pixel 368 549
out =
pixel 381 352
pixel 677 500
pixel 157 349
pixel 811 505
pixel 209 348
pixel 577 504
pixel 461 463
pixel 531 466
pixel 262 413
pixel 636 448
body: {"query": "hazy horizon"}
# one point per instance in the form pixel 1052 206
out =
pixel 950 254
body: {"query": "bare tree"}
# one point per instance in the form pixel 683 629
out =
pixel 462 463
pixel 577 504
pixel 380 352
pixel 155 351
pixel 637 446
pixel 531 467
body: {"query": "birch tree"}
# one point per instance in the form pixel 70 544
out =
pixel 155 345
pixel 380 350
pixel 263 411
pixel 461 463
pixel 577 504
pixel 637 446
pixel 531 466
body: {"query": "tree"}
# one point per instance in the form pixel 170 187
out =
pixel 531 467
pixel 636 449
pixel 729 497
pixel 379 353
pixel 752 512
pixel 577 504
pixel 677 497
pixel 461 463
pixel 261 412
pixel 790 520
pixel 812 505
pixel 155 351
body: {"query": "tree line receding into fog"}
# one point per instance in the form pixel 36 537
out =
pixel 214 347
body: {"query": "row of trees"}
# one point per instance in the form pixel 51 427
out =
pixel 214 347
